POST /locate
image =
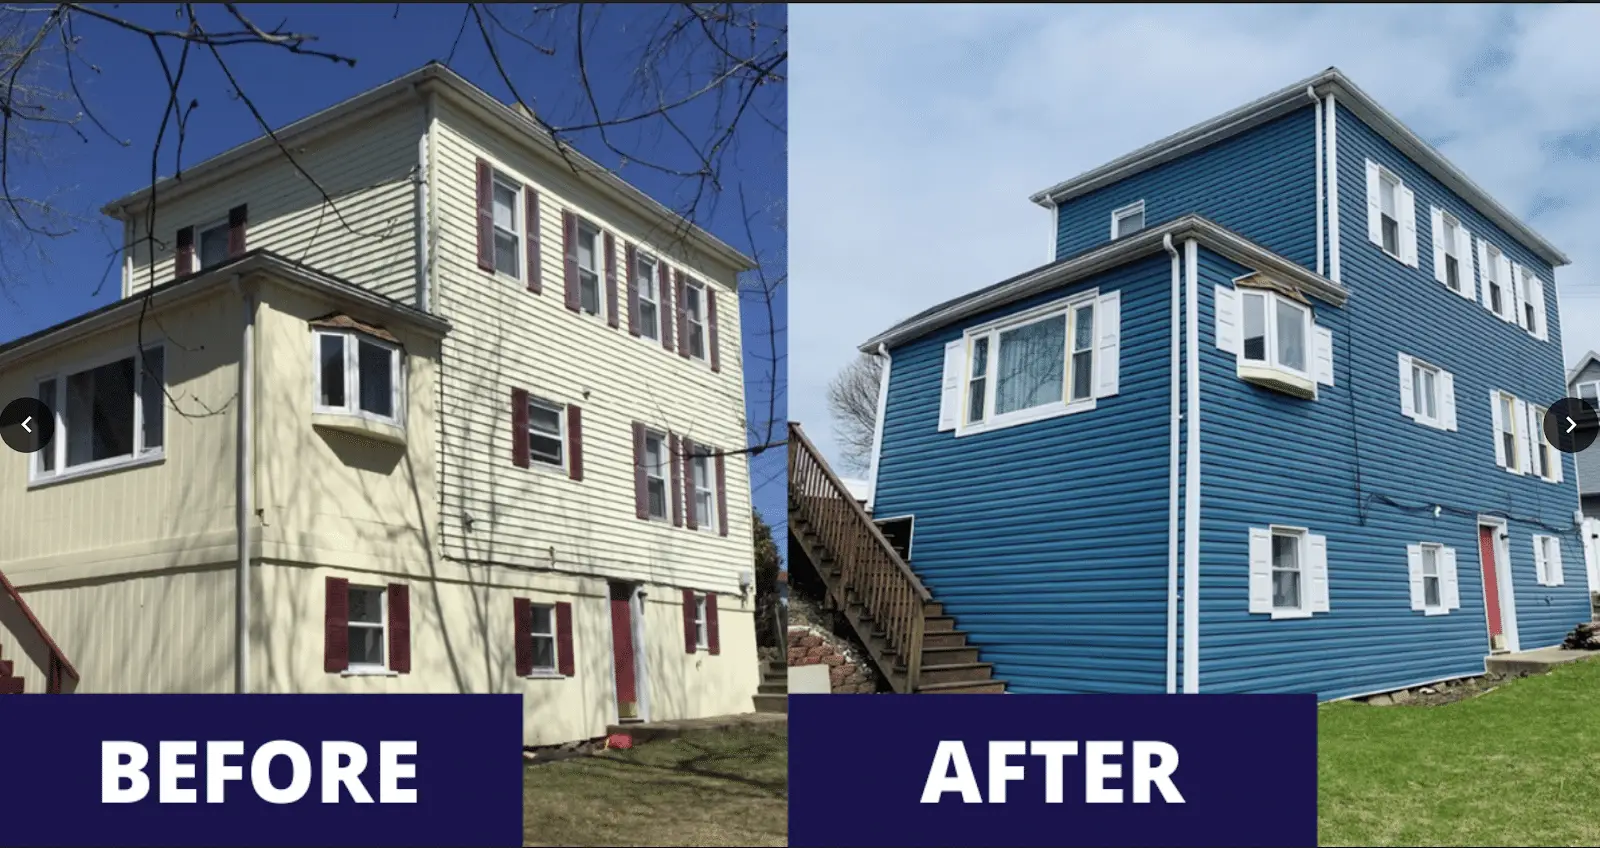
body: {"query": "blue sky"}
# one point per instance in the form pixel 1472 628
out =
pixel 919 135
pixel 130 94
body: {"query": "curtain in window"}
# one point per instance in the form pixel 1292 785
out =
pixel 1032 365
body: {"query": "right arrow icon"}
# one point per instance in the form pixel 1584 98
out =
pixel 1571 425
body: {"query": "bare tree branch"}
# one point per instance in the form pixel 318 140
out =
pixel 853 404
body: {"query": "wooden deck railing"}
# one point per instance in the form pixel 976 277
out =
pixel 868 565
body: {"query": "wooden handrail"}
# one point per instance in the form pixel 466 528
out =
pixel 868 563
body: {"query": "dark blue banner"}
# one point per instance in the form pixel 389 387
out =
pixel 260 770
pixel 1056 770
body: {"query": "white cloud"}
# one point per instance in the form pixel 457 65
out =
pixel 919 132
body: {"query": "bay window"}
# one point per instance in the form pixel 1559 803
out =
pixel 1277 331
pixel 357 375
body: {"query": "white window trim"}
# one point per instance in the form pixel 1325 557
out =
pixel 1492 254
pixel 1548 572
pixel 1436 420
pixel 1441 608
pixel 666 477
pixel 1268 369
pixel 1549 457
pixel 1124 212
pixel 702 627
pixel 199 237
pixel 704 523
pixel 356 669
pixel 1302 560
pixel 560 410
pixel 352 376
pixel 1399 223
pixel 518 226
pixel 1577 389
pixel 992 330
pixel 1449 248
pixel 58 444
pixel 1509 424
pixel 554 669
pixel 704 323
pixel 648 331
pixel 599 254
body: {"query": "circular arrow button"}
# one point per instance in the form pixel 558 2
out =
pixel 1571 425
pixel 26 425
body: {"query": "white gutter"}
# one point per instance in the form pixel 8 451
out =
pixel 1191 481
pixel 1311 92
pixel 877 427
pixel 1333 189
pixel 244 484
pixel 1172 479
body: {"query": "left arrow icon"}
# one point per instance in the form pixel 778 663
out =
pixel 25 424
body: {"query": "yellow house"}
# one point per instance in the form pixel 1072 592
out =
pixel 429 404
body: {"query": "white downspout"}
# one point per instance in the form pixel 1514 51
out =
pixel 1191 480
pixel 244 483
pixel 1333 189
pixel 1055 230
pixel 1172 477
pixel 1311 92
pixel 877 427
pixel 423 200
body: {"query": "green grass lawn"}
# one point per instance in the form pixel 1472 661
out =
pixel 711 787
pixel 1517 766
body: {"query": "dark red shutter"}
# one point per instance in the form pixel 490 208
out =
pixel 641 487
pixel 184 261
pixel 569 246
pixel 522 615
pixel 519 428
pixel 688 484
pixel 564 639
pixel 530 227
pixel 485 216
pixel 336 626
pixel 713 643
pixel 683 315
pixel 399 628
pixel 52 685
pixel 711 329
pixel 575 442
pixel 677 480
pixel 690 641
pixel 722 496
pixel 611 282
pixel 630 257
pixel 664 309
pixel 238 218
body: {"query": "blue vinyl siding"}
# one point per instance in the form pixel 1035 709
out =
pixel 1047 541
pixel 1261 184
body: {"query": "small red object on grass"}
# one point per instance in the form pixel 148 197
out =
pixel 620 741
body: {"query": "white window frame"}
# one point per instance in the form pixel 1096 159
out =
pixel 1067 310
pixel 1421 369
pixel 1437 552
pixel 702 632
pixel 1594 385
pixel 1493 283
pixel 705 517
pixel 355 668
pixel 693 321
pixel 582 228
pixel 1451 229
pixel 657 472
pixel 1118 216
pixel 1550 570
pixel 1302 555
pixel 141 455
pixel 560 409
pixel 1387 176
pixel 648 330
pixel 1530 317
pixel 1509 426
pixel 1271 300
pixel 518 226
pixel 1540 452
pixel 534 635
pixel 200 231
pixel 353 339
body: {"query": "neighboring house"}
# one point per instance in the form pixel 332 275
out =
pixel 477 429
pixel 1583 381
pixel 1269 423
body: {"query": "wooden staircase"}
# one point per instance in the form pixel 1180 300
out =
pixel 910 639
pixel 773 694
pixel 10 684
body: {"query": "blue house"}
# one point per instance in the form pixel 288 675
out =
pixel 1270 422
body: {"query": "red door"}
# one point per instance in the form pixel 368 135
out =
pixel 1491 587
pixel 622 648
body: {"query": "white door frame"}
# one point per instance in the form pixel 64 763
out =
pixel 1590 530
pixel 1504 585
pixel 641 664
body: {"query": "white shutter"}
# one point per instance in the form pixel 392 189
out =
pixel 1538 559
pixel 1521 417
pixel 1447 400
pixel 1406 199
pixel 1438 245
pixel 1419 599
pixel 1517 297
pixel 1374 206
pixel 1227 309
pixel 1108 339
pixel 1324 342
pixel 1502 272
pixel 1499 426
pixel 1407 404
pixel 1469 288
pixel 1317 564
pixel 1536 297
pixel 1556 571
pixel 1486 271
pixel 1450 589
pixel 955 360
pixel 1260 570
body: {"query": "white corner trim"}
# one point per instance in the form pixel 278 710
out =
pixel 877 427
pixel 1332 114
pixel 1191 509
pixel 1055 232
pixel 1174 376
pixel 1321 260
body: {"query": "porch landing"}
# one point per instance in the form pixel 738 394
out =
pixel 1533 662
pixel 650 731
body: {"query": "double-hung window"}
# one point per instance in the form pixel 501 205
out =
pixel 543 638
pixel 1288 570
pixel 1590 393
pixel 1033 367
pixel 655 474
pixel 507 229
pixel 589 267
pixel 368 620
pixel 1530 300
pixel 694 310
pixel 358 375
pixel 703 490
pixel 1277 331
pixel 1432 584
pixel 1547 559
pixel 212 244
pixel 1451 240
pixel 1491 279
pixel 1507 434
pixel 107 415
pixel 1540 455
pixel 546 432
pixel 1389 207
pixel 645 283
pixel 1435 589
pixel 1425 391
pixel 701 633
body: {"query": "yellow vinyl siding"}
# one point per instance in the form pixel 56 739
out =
pixel 368 172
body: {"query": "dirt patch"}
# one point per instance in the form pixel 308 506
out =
pixel 1438 694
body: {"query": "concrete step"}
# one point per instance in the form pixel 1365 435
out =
pixel 773 688
pixel 772 703
pixel 970 687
